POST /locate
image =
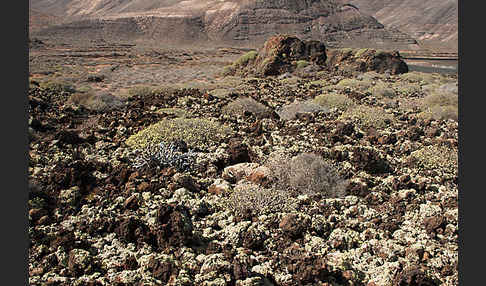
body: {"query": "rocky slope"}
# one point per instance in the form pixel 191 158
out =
pixel 243 23
pixel 433 22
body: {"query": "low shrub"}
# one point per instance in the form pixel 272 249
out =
pixel 306 173
pixel 334 100
pixel 301 64
pixel 196 132
pixel 164 155
pixel 406 88
pixel 440 105
pixel 381 90
pixel 245 59
pixel 228 70
pixel 418 77
pixel 290 111
pixel 368 117
pixel 354 84
pixel 140 91
pixel 249 199
pixel 96 101
pixel 245 104
pixel 360 52
pixel 436 157
pixel 57 86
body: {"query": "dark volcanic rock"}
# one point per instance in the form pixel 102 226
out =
pixel 162 270
pixel 365 60
pixel 174 226
pixel 413 276
pixel 281 53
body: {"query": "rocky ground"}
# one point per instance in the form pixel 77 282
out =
pixel 213 210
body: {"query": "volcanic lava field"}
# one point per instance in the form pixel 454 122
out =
pixel 153 165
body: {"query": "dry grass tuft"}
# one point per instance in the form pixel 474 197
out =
pixel 334 100
pixel 306 173
pixel 245 104
pixel 368 117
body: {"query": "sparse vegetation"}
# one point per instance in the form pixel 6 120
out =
pixel 354 84
pixel 440 105
pixel 164 155
pixel 290 111
pixel 253 200
pixel 196 132
pixel 334 100
pixel 141 90
pixel 245 59
pixel 306 173
pixel 418 77
pixel 368 117
pixel 360 52
pixel 435 157
pixel 301 64
pixel 57 86
pixel 245 104
pixel 96 101
pixel 406 88
pixel 177 112
pixel 382 90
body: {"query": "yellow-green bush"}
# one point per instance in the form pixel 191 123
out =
pixel 418 77
pixel 368 117
pixel 406 88
pixel 196 132
pixel 354 83
pixel 436 157
pixel 244 59
pixel 334 100
pixel 302 64
pixel 360 52
pixel 382 90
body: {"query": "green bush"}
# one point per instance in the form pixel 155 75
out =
pixel 302 64
pixel 334 100
pixel 418 77
pixel 245 59
pixel 368 117
pixel 196 132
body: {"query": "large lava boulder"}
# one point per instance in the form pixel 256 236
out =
pixel 280 54
pixel 363 60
